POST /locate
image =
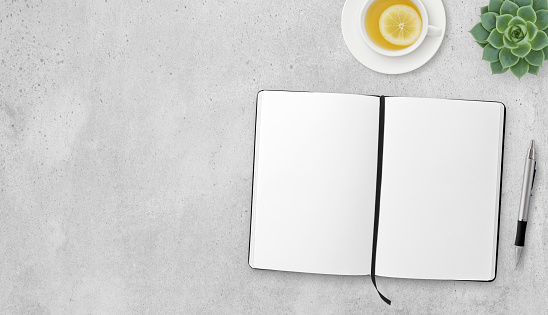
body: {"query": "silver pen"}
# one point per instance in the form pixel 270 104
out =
pixel 526 193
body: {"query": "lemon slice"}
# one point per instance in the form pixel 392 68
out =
pixel 400 25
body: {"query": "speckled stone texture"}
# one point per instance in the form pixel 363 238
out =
pixel 126 146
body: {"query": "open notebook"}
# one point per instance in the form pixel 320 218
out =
pixel 328 166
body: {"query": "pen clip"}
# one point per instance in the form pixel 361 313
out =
pixel 533 181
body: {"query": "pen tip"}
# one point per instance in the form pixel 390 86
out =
pixel 531 151
pixel 518 254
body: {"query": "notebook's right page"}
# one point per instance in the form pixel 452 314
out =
pixel 440 189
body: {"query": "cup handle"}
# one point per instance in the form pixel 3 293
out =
pixel 433 31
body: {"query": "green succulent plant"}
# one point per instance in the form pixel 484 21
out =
pixel 513 35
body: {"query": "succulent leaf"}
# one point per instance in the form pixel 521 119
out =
pixel 496 68
pixel 481 44
pixel 507 58
pixel 520 68
pixel 545 50
pixel 533 69
pixel 540 5
pixel 494 5
pixel 502 22
pixel 531 30
pixel 535 57
pixel 517 20
pixel 527 13
pixel 540 41
pixel 490 53
pixel 479 33
pixel 523 3
pixel 522 50
pixel 489 20
pixel 496 39
pixel 542 19
pixel 509 7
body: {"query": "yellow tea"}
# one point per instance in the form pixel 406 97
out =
pixel 372 21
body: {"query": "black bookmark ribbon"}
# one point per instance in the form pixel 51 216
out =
pixel 378 199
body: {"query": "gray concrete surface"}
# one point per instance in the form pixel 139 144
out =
pixel 126 157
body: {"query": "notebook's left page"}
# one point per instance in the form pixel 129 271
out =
pixel 314 182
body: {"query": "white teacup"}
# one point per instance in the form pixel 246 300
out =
pixel 426 30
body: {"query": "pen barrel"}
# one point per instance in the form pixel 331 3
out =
pixel 526 188
pixel 520 234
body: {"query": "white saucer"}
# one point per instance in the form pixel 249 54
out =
pixel 391 65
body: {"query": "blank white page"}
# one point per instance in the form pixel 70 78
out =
pixel 314 182
pixel 440 189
